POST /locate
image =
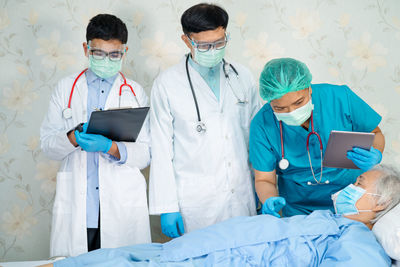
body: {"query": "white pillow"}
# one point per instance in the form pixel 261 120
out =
pixel 387 231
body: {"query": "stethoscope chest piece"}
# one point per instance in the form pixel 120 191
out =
pixel 283 164
pixel 201 127
pixel 67 113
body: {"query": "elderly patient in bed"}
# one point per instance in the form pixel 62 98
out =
pixel 319 239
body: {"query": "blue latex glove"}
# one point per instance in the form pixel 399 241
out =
pixel 172 224
pixel 92 142
pixel 273 205
pixel 365 159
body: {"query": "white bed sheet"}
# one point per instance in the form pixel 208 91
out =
pixel 25 263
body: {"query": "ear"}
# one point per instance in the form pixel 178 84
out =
pixel 126 50
pixel 85 49
pixel 310 90
pixel 379 208
pixel 186 40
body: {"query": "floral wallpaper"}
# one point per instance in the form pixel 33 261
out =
pixel 343 42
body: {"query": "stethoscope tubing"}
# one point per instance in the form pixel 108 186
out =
pixel 312 132
pixel 200 126
pixel 120 88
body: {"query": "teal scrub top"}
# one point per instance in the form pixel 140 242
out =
pixel 335 108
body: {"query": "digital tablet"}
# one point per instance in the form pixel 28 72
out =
pixel 340 142
pixel 118 124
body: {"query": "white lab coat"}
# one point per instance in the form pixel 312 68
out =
pixel 124 216
pixel 205 176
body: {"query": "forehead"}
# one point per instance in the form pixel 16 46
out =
pixel 370 177
pixel 106 45
pixel 368 180
pixel 209 36
pixel 289 98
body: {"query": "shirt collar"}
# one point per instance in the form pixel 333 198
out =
pixel 91 77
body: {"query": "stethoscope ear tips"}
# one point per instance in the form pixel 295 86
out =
pixel 310 183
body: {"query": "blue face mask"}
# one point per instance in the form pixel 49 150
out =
pixel 344 201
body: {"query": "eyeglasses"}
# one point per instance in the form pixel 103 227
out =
pixel 204 47
pixel 99 54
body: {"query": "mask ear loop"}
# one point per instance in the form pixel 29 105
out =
pixel 123 61
pixel 372 194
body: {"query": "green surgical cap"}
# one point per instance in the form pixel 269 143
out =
pixel 281 76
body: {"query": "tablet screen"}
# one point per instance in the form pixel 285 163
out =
pixel 340 142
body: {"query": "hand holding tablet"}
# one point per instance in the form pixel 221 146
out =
pixel 351 150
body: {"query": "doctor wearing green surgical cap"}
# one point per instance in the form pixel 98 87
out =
pixel 294 110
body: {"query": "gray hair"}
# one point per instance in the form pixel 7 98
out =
pixel 388 188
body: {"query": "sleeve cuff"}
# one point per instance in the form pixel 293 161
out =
pixel 160 210
pixel 122 154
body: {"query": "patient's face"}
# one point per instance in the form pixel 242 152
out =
pixel 367 181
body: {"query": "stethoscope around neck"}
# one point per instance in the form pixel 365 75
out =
pixel 67 112
pixel 284 163
pixel 200 126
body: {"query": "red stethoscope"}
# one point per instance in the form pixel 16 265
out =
pixel 67 112
pixel 284 163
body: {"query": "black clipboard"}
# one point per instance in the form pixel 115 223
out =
pixel 118 124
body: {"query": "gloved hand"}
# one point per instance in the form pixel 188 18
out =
pixel 365 159
pixel 172 224
pixel 92 142
pixel 273 205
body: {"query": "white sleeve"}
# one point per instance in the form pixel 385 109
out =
pixel 53 135
pixel 255 99
pixel 138 153
pixel 162 185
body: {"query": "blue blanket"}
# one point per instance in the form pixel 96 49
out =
pixel 318 239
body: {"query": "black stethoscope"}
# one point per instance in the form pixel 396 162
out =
pixel 67 112
pixel 201 127
pixel 284 163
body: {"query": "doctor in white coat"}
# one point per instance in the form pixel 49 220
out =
pixel 101 193
pixel 200 114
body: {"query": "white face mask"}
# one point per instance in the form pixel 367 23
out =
pixel 209 59
pixel 298 116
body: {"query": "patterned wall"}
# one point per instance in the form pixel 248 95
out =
pixel 344 42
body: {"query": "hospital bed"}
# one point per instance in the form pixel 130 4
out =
pixel 386 230
pixel 26 263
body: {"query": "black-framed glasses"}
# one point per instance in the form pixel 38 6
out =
pixel 204 47
pixel 99 54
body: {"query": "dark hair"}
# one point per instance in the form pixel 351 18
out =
pixel 204 17
pixel 106 27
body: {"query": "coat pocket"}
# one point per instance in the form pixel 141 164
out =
pixel 64 194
